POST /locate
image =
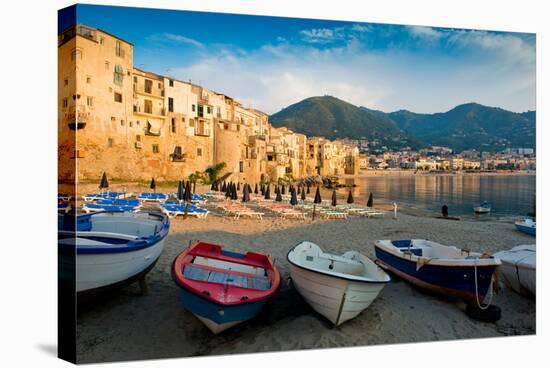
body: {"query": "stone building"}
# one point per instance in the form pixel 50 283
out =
pixel 135 124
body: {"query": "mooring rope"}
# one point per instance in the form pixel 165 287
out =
pixel 477 295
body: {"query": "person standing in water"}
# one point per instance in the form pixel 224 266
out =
pixel 394 211
pixel 445 210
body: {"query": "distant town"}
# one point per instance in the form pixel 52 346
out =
pixel 372 156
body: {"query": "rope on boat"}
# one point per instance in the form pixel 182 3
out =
pixel 477 295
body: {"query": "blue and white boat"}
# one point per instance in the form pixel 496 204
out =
pixel 110 248
pixel 113 205
pixel 152 197
pixel 484 207
pixel 439 268
pixel 527 226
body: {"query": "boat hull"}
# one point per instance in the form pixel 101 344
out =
pixel 526 229
pixel 456 281
pixel 99 271
pixel 518 270
pixel 217 317
pixel 337 299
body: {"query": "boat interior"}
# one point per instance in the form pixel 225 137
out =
pixel 428 249
pixel 128 226
pixel 226 272
pixel 310 256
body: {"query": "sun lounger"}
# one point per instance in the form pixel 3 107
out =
pixel 173 210
pixel 152 197
pixel 63 197
pixel 249 213
pixel 105 195
pixel 293 214
pixel 63 207
pixel 331 214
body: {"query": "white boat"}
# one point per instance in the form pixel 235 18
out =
pixel 519 270
pixel 485 207
pixel 338 287
pixel 527 226
pixel 109 248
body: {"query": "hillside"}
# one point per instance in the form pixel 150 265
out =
pixel 333 118
pixel 467 126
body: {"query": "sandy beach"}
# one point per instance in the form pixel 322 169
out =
pixel 125 325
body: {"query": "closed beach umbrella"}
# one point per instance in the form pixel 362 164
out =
pixel 303 194
pixel 283 191
pixel 267 194
pixel 216 185
pixel 369 202
pixel 213 186
pixel 228 191
pixel 224 187
pixel 153 185
pixel 262 189
pixel 104 183
pixel 249 188
pixel 308 189
pixel 278 197
pixel 293 197
pixel 317 196
pixel 334 198
pixel 256 188
pixel 181 191
pixel 246 194
pixel 234 196
pixel 238 186
pixel 194 185
pixel 350 197
pixel 187 196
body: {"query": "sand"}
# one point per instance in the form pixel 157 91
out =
pixel 126 325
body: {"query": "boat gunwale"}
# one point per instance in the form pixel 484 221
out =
pixel 265 294
pixel 342 276
pixel 443 262
pixel 131 245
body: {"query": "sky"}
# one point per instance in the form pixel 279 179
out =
pixel 270 63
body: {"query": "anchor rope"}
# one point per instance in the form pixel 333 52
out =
pixel 477 295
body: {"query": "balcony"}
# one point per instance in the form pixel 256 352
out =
pixel 72 114
pixel 140 88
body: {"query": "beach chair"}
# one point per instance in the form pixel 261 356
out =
pixel 248 213
pixel 332 214
pixel 63 207
pixel 172 210
pixel 152 197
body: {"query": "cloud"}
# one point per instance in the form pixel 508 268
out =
pixel 174 39
pixel 334 34
pixel 495 69
pixel 427 34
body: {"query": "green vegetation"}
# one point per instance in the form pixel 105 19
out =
pixel 467 126
pixel 213 172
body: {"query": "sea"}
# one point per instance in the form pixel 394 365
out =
pixel 509 195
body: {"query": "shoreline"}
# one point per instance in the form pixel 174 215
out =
pixel 401 313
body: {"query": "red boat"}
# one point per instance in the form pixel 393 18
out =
pixel 223 288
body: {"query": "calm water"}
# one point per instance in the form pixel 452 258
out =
pixel 509 195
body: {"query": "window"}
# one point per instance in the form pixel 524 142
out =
pixel 118 49
pixel 118 75
pixel 107 65
pixel 209 109
pixel 171 83
pixel 110 142
pixel 89 101
pixel 173 125
pixel 170 104
pixel 76 54
pixel 155 148
pixel 122 123
pixel 191 123
pixel 118 97
pixel 148 106
pixel 159 85
pixel 65 102
pixel 101 40
pixel 241 166
pixel 130 124
pixel 218 112
pixel 66 82
pixel 199 152
pixel 113 118
pixel 138 138
pixel 200 112
pixel 148 86
pixel 178 151
pixel 88 79
pixel 193 107
pixel 135 79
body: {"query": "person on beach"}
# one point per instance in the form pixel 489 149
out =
pixel 445 210
pixel 394 211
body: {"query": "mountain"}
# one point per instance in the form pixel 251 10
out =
pixel 470 126
pixel 333 118
pixel 467 126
